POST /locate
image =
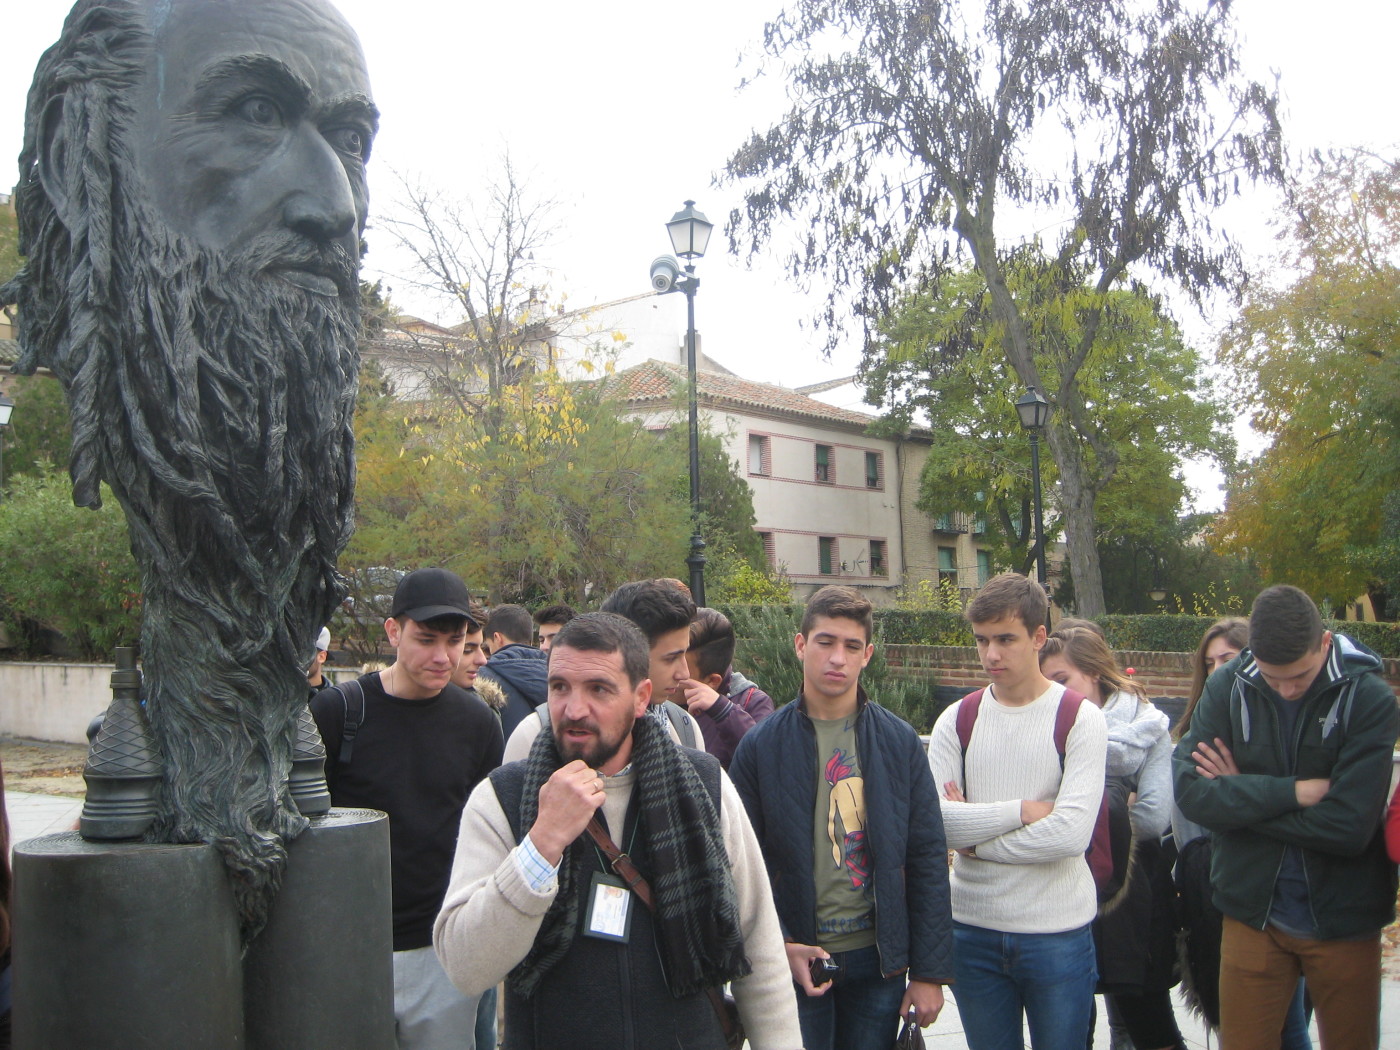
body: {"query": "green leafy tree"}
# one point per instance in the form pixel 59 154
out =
pixel 39 435
pixel 67 568
pixel 1316 356
pixel 921 129
pixel 938 359
pixel 10 258
pixel 567 499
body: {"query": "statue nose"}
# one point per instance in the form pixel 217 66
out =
pixel 323 207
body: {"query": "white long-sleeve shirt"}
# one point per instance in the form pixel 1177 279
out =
pixel 1030 878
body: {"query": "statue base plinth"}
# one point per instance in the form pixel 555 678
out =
pixel 132 944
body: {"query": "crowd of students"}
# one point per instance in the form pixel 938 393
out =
pixel 1086 838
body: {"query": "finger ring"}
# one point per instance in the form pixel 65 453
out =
pixel 601 785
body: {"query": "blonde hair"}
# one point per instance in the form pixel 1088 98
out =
pixel 1087 651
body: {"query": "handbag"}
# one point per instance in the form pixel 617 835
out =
pixel 726 1009
pixel 911 1037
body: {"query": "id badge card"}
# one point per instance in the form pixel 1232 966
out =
pixel 609 914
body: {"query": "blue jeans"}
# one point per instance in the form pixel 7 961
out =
pixel 1049 976
pixel 860 1011
pixel 486 1021
pixel 1295 1025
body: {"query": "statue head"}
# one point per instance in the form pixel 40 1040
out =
pixel 213 149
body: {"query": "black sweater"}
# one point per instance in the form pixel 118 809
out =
pixel 417 760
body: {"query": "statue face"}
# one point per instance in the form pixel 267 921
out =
pixel 253 125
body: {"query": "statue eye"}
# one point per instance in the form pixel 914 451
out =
pixel 260 110
pixel 352 141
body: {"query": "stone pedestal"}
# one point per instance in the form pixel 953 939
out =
pixel 120 945
pixel 321 973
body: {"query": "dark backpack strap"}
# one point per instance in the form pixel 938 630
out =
pixel 1065 715
pixel 1103 864
pixel 353 719
pixel 966 716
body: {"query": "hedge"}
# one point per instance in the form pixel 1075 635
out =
pixel 765 654
pixel 1181 634
pixel 1159 633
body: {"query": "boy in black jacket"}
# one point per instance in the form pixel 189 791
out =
pixel 847 814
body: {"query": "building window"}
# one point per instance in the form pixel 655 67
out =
pixel 872 470
pixel 760 455
pixel 826 466
pixel 948 565
pixel 770 549
pixel 826 555
pixel 878 565
pixel 984 568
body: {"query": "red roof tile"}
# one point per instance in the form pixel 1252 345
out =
pixel 658 382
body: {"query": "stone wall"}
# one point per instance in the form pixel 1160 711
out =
pixel 53 701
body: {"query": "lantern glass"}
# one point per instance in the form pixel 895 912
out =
pixel 690 232
pixel 1034 410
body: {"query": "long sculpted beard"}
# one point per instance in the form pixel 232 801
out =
pixel 222 422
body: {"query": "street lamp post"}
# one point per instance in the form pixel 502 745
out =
pixel 6 408
pixel 690 236
pixel 1034 411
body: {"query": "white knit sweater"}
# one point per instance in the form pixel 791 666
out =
pixel 490 915
pixel 1029 878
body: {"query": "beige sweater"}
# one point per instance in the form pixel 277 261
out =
pixel 490 915
pixel 1031 878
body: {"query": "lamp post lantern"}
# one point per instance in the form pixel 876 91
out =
pixel 6 408
pixel 690 236
pixel 1034 412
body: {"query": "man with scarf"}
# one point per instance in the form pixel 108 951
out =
pixel 533 900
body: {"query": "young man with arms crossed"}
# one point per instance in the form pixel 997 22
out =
pixel 420 747
pixel 840 796
pixel 1020 817
pixel 1288 760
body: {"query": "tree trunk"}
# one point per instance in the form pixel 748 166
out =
pixel 1076 502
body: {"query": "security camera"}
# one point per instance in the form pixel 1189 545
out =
pixel 664 271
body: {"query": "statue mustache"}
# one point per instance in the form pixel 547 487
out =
pixel 279 251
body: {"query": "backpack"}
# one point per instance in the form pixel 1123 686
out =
pixel 681 721
pixel 1108 879
pixel 352 723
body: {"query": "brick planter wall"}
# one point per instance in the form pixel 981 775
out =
pixel 1160 674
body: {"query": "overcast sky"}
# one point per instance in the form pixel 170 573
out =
pixel 623 110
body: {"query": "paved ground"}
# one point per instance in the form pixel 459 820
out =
pixel 35 813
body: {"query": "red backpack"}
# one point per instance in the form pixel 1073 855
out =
pixel 1100 854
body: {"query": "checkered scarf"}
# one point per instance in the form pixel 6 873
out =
pixel 697 911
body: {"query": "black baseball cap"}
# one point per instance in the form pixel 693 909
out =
pixel 425 594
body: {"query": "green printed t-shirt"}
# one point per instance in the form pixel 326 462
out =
pixel 841 868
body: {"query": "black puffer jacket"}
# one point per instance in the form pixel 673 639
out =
pixel 775 770
pixel 522 672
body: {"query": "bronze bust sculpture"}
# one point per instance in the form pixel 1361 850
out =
pixel 191 204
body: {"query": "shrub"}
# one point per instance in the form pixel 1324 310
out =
pixel 765 654
pixel 1181 634
pixel 67 568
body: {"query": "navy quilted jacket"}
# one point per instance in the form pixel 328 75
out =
pixel 775 770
